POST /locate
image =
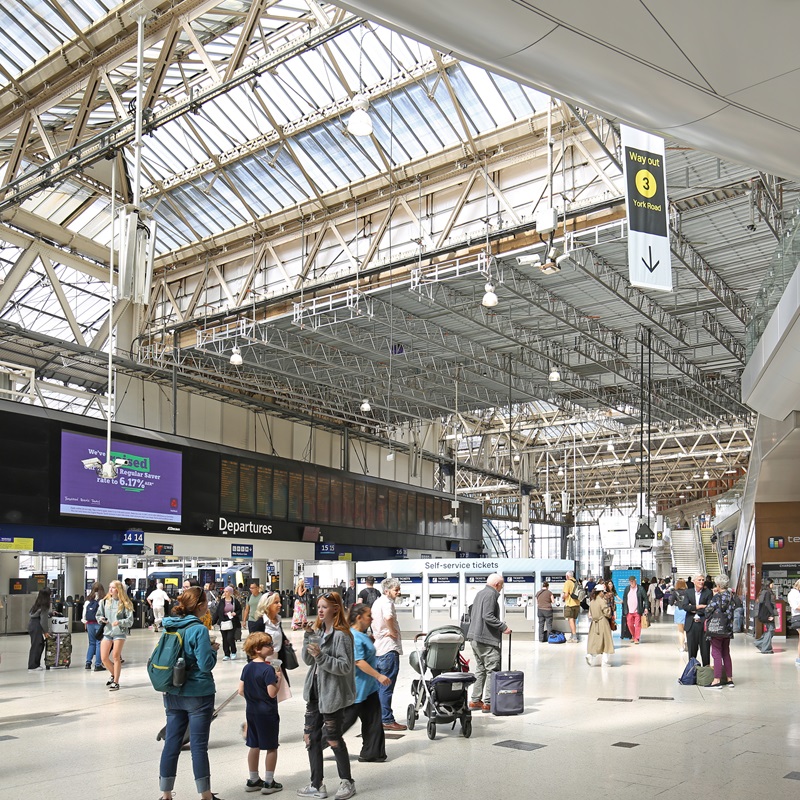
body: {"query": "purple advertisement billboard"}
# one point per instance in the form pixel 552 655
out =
pixel 147 488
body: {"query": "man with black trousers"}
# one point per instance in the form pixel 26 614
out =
pixel 696 601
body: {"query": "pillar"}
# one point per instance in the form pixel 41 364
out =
pixel 9 569
pixel 525 525
pixel 260 571
pixel 107 570
pixel 286 573
pixel 75 576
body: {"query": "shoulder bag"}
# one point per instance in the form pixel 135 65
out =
pixel 101 627
pixel 289 657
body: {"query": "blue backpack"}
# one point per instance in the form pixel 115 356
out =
pixel 556 637
pixel 689 676
pixel 91 610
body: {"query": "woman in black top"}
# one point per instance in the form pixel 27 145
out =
pixel 766 615
pixel 39 629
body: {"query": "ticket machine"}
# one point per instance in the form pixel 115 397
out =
pixel 443 594
pixel 519 600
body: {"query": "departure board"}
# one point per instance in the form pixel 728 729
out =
pixel 323 499
pixel 280 493
pixel 360 508
pixel 348 501
pixel 295 496
pixel 229 487
pixel 393 510
pixel 264 492
pixel 318 496
pixel 382 508
pixel 247 489
pixel 335 517
pixel 310 498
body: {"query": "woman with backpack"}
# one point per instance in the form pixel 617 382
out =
pixel 190 705
pixel 719 629
pixel 39 629
pixel 115 613
pixel 89 619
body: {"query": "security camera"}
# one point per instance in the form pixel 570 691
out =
pixel 105 548
pixel 145 550
pixel 92 463
pixel 121 462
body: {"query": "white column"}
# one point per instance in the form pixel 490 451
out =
pixel 260 571
pixel 9 568
pixel 75 576
pixel 107 570
pixel 286 573
pixel 525 526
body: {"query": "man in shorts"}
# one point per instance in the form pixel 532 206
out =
pixel 572 607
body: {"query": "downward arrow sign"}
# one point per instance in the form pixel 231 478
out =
pixel 651 266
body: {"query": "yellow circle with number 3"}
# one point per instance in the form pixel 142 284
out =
pixel 645 183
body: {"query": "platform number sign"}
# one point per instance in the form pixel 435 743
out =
pixel 133 537
pixel 649 259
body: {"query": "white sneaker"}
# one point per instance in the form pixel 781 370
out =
pixel 606 659
pixel 40 668
pixel 313 791
pixel 589 660
pixel 346 789
pixel 233 656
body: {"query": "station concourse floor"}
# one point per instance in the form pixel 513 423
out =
pixel 626 731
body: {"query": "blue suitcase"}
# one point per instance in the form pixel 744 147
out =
pixel 507 690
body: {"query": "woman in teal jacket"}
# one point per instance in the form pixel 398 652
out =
pixel 191 705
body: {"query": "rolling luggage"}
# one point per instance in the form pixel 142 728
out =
pixel 58 651
pixel 507 690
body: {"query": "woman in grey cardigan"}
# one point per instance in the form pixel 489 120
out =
pixel 39 629
pixel 328 690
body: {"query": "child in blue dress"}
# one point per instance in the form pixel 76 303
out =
pixel 259 686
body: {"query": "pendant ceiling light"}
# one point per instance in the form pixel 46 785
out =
pixel 360 122
pixel 489 298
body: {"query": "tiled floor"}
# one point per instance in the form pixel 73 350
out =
pixel 63 735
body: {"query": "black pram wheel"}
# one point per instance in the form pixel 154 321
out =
pixel 466 727
pixel 411 717
pixel 431 730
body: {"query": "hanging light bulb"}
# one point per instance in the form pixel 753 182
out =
pixel 554 375
pixel 718 459
pixel 516 457
pixel 365 406
pixel 597 484
pixel 236 357
pixel 561 472
pixel 360 122
pixel 490 298
pixel 705 475
pixel 610 447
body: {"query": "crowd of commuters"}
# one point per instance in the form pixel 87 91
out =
pixel 352 647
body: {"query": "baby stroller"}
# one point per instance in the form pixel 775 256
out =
pixel 441 691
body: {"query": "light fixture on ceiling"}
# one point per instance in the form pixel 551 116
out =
pixel 689 486
pixel 718 459
pixel 554 375
pixel 610 447
pixel 366 407
pixel 490 297
pixel 697 475
pixel 730 471
pixel 390 455
pixel 706 475
pixel 597 484
pixel 516 457
pixel 681 497
pixel 236 357
pixel 561 472
pixel 360 122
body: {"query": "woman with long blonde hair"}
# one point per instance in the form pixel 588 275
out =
pixel 115 614
pixel 300 615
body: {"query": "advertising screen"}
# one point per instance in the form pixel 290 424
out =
pixel 148 488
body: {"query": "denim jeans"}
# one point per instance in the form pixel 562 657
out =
pixel 94 646
pixel 388 665
pixel 194 713
pixel 317 725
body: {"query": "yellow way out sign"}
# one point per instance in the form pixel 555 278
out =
pixel 649 261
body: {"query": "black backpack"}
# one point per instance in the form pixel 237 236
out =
pixel 371 594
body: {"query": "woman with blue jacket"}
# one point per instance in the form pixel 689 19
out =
pixel 191 705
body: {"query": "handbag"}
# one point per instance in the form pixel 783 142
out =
pixel 289 657
pixel 795 622
pixel 100 632
pixel 612 623
pixel 718 625
pixel 645 621
pixel 226 625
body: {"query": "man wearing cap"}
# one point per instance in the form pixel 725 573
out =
pixel 485 634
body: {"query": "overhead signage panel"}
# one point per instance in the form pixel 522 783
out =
pixel 649 258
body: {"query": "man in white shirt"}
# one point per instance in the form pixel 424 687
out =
pixel 158 599
pixel 388 648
